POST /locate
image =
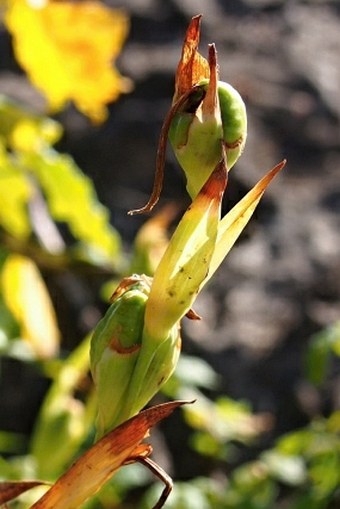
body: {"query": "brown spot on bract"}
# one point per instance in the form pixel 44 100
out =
pixel 116 346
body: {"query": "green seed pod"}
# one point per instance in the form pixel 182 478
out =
pixel 196 138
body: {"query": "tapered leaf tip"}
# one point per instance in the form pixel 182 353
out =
pixel 272 173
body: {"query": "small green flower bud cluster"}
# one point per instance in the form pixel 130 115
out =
pixel 127 367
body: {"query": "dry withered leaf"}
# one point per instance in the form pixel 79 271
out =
pixel 91 471
pixel 12 489
pixel 192 66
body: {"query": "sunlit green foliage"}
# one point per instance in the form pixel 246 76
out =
pixel 47 187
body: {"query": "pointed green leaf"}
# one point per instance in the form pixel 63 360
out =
pixel 232 225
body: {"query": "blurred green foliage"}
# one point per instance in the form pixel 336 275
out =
pixel 323 347
pixel 48 188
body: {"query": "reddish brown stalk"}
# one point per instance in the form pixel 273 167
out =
pixel 162 476
pixel 161 153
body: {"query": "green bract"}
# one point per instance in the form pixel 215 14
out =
pixel 234 120
pixel 197 137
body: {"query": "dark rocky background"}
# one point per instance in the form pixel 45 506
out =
pixel 281 283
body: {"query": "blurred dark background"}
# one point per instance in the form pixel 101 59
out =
pixel 281 283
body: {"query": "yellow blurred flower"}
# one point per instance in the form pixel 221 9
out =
pixel 67 49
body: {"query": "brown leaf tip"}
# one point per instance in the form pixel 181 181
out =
pixel 192 67
pixel 192 35
pixel 210 105
pixel 217 182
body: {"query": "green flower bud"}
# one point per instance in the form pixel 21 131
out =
pixel 115 346
pixel 128 367
pixel 196 137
